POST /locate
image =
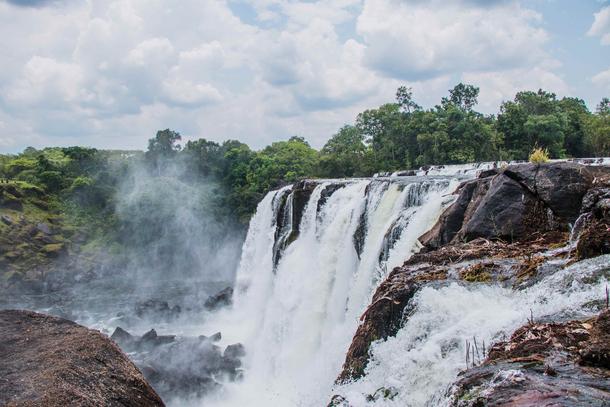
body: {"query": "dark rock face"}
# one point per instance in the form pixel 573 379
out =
pixel 451 221
pixel 559 364
pixel 515 202
pixel 49 361
pixel 561 186
pixel 594 233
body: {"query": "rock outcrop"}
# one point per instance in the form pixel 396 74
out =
pixel 515 202
pixel 182 367
pixel 49 361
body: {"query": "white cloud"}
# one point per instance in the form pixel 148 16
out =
pixel 601 26
pixel 415 39
pixel 45 79
pixel 497 87
pixel 187 93
pixel 110 73
pixel 602 79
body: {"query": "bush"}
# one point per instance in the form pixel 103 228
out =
pixel 539 156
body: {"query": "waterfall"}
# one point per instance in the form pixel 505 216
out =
pixel 312 259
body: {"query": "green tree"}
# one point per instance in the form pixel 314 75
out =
pixel 533 119
pixel 344 155
pixel 463 96
pixel 597 130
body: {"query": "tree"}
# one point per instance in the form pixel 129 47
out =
pixel 164 144
pixel 463 96
pixel 404 98
pixel 603 107
pixel 597 130
pixel 344 154
pixel 162 148
pixel 576 113
pixel 533 119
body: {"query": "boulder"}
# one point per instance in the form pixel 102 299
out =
pixel 222 298
pixel 49 361
pixel 157 309
pixel 236 350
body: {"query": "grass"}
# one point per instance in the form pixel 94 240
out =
pixel 539 156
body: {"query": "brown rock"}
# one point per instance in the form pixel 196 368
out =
pixel 49 361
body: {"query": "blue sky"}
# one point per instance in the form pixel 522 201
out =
pixel 110 73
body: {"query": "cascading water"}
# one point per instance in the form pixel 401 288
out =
pixel 296 311
pixel 314 254
pixel 431 343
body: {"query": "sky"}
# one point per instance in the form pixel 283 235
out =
pixel 109 74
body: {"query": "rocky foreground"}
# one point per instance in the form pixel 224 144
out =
pixel 503 228
pixel 49 361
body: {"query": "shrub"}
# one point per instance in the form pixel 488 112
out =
pixel 539 156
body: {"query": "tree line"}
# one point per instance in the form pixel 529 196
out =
pixel 394 136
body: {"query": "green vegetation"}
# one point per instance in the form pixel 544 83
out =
pixel 81 183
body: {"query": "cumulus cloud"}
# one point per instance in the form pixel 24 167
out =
pixel 415 40
pixel 602 79
pixel 497 87
pixel 601 25
pixel 110 73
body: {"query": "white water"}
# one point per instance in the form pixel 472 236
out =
pixel 297 321
pixel 472 169
pixel 431 345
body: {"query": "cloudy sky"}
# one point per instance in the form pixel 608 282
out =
pixel 110 73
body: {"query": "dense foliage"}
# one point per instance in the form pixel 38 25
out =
pixel 394 136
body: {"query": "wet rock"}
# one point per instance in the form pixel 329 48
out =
pixel 149 336
pixel 452 220
pixel 596 352
pixel 593 226
pixel 561 186
pixel 326 193
pixel 382 393
pixel 236 350
pixel 122 337
pixel 157 309
pixel 216 337
pixel 49 361
pixel 338 401
pixel 221 299
pixel 185 368
pixel 541 364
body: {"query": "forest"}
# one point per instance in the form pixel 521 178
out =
pixel 397 135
